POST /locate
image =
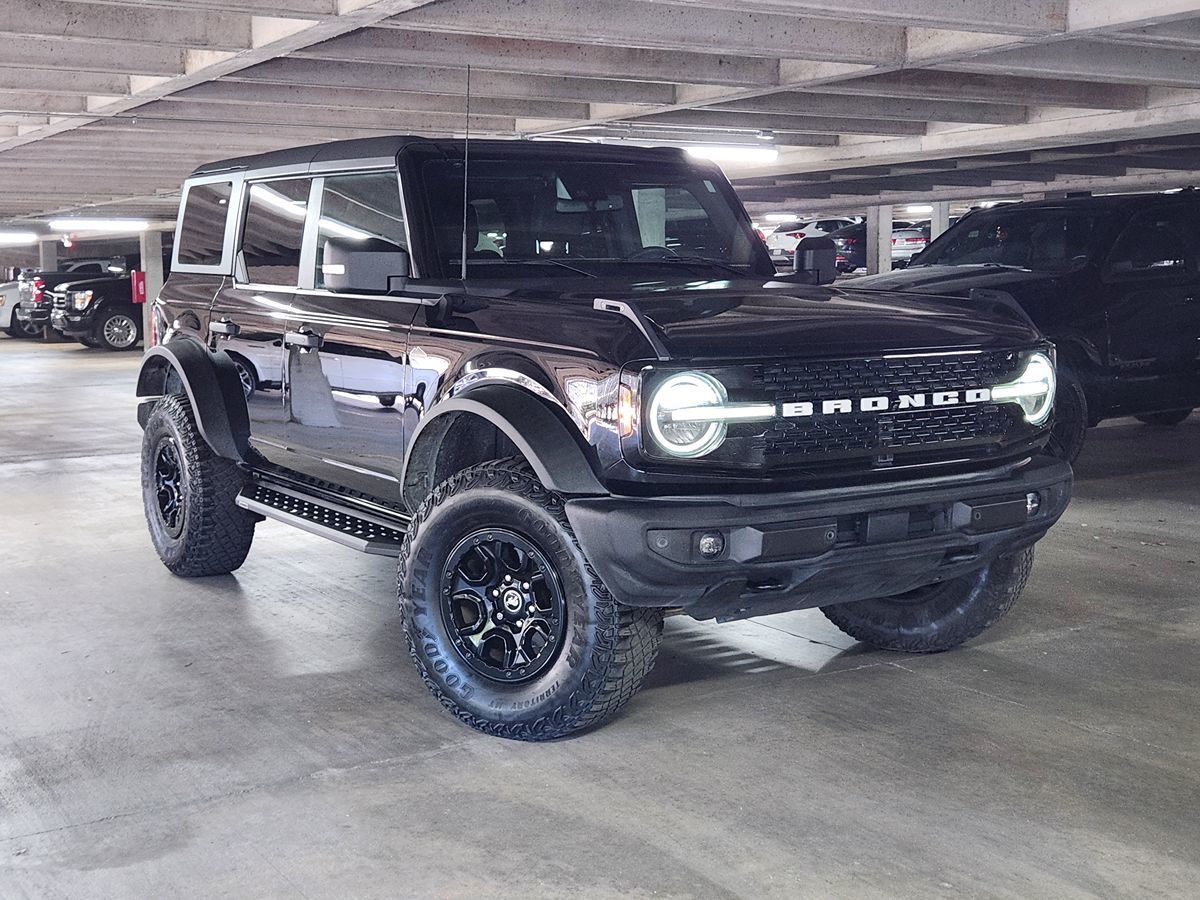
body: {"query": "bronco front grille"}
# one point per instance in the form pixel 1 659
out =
pixel 883 435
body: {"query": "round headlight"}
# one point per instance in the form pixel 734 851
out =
pixel 1033 390
pixel 675 416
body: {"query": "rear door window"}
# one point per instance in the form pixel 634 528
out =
pixel 273 233
pixel 202 231
pixel 1155 243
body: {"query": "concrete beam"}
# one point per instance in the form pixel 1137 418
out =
pixel 662 26
pixel 837 104
pixel 90 22
pixel 1087 60
pixel 541 57
pixel 958 86
pixel 710 118
pixel 434 80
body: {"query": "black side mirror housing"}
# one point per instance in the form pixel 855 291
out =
pixel 815 261
pixel 371 266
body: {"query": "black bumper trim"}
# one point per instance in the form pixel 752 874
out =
pixel 802 550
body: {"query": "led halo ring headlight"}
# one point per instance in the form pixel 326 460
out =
pixel 691 437
pixel 1032 390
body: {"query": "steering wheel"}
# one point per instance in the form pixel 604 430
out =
pixel 652 252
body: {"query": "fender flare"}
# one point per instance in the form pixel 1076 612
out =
pixel 213 389
pixel 553 452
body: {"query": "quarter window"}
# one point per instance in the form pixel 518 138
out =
pixel 202 232
pixel 274 231
pixel 361 212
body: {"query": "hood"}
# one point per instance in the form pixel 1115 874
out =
pixel 780 319
pixel 957 281
pixel 94 282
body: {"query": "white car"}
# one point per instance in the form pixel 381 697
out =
pixel 783 240
pixel 10 296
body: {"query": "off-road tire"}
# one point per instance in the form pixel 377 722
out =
pixel 938 617
pixel 1071 417
pixel 607 649
pixel 1165 419
pixel 216 533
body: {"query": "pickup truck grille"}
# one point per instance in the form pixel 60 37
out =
pixel 883 438
pixel 57 300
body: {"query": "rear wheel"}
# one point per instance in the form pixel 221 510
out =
pixel 507 622
pixel 939 616
pixel 119 329
pixel 1165 419
pixel 19 329
pixel 188 494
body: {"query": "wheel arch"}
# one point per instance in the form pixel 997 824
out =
pixel 213 389
pixel 547 443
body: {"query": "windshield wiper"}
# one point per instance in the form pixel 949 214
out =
pixel 533 261
pixel 700 260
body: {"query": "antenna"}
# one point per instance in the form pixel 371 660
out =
pixel 466 171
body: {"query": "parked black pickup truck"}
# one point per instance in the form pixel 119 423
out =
pixel 1113 281
pixel 34 303
pixel 98 312
pixel 573 399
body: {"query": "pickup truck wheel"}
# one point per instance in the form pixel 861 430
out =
pixel 509 625
pixel 188 493
pixel 119 330
pixel 1070 417
pixel 939 616
pixel 19 329
pixel 88 341
pixel 1165 419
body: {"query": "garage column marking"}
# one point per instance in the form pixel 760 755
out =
pixel 151 248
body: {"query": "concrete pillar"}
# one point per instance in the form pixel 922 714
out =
pixel 152 265
pixel 879 239
pixel 48 255
pixel 939 219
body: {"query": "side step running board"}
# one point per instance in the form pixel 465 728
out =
pixel 351 527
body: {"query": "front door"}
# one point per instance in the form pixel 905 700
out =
pixel 1153 280
pixel 344 347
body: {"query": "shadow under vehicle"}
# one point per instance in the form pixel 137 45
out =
pixel 565 386
pixel 1113 281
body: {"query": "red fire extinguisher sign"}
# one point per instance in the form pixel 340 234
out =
pixel 139 286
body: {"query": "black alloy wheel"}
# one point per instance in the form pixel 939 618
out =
pixel 503 606
pixel 169 485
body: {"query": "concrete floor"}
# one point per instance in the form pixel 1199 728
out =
pixel 264 734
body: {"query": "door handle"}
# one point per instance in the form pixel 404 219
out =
pixel 225 327
pixel 305 340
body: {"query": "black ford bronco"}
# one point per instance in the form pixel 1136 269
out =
pixel 575 397
pixel 1115 283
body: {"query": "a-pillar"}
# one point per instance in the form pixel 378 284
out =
pixel 939 219
pixel 152 265
pixel 879 239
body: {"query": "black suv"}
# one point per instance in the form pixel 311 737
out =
pixel 1113 281
pixel 576 397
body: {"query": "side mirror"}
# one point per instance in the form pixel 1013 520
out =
pixel 815 261
pixel 371 266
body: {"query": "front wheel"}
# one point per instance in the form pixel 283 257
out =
pixel 1071 417
pixel 119 330
pixel 508 624
pixel 1165 419
pixel 940 616
pixel 19 329
pixel 188 494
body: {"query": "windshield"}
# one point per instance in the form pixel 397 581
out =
pixel 588 218
pixel 1041 240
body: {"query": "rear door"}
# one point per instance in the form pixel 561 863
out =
pixel 248 319
pixel 1152 278
pixel 344 350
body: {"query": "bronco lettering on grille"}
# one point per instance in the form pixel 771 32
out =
pixel 884 403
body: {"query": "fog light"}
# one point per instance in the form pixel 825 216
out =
pixel 1032 504
pixel 711 544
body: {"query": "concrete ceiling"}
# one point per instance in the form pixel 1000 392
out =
pixel 105 105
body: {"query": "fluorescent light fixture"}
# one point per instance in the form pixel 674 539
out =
pixel 780 217
pixel 734 153
pixel 117 226
pixel 919 209
pixel 988 204
pixel 17 238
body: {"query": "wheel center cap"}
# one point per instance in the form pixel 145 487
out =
pixel 512 600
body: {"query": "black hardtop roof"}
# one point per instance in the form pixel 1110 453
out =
pixel 385 147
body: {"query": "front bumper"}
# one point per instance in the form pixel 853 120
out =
pixel 38 315
pixel 801 550
pixel 70 323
